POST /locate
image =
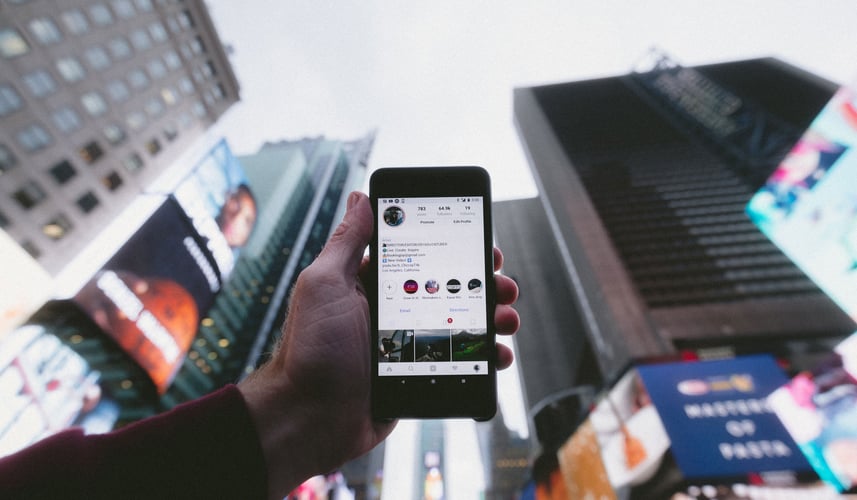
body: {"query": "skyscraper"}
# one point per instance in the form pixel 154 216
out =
pixel 300 189
pixel 644 179
pixel 97 99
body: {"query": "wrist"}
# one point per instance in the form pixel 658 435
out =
pixel 282 423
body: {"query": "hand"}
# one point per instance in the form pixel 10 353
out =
pixel 310 402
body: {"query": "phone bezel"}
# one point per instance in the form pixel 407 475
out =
pixel 434 396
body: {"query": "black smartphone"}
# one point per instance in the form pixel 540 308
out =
pixel 432 302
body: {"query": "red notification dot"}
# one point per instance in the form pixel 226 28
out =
pixel 449 320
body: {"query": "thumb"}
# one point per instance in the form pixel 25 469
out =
pixel 345 248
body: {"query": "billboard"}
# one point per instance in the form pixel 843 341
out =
pixel 46 387
pixel 218 201
pixel 808 207
pixel 150 295
pixel 670 427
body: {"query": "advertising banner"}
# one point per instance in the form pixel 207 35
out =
pixel 46 387
pixel 219 203
pixel 150 296
pixel 666 430
pixel 808 207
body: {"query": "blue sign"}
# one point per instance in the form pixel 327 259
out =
pixel 718 419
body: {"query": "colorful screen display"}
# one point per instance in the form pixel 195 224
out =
pixel 432 298
pixel 808 207
pixel 150 296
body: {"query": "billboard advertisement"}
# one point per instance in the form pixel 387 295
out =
pixel 46 387
pixel 150 296
pixel 808 207
pixel 218 201
pixel 674 427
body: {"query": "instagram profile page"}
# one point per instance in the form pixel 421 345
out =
pixel 431 279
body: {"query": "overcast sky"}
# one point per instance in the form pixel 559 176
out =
pixel 436 78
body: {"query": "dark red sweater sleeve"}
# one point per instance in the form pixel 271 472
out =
pixel 207 448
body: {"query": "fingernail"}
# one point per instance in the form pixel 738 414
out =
pixel 352 200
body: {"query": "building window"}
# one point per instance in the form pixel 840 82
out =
pixel 119 48
pixel 138 79
pixel 4 221
pixel 45 31
pixel 100 14
pixel 66 119
pixel 186 85
pixel 57 227
pixel 12 44
pixel 196 46
pixel 117 90
pixel 114 134
pixel 172 60
pixel 144 5
pixel 185 20
pixel 132 163
pixel 185 120
pixel 159 34
pixel 34 138
pixel 87 202
pixel 198 109
pixel 70 69
pixel 31 249
pixel 7 159
pixel 153 147
pixel 135 120
pixel 97 58
pixel 40 83
pixel 170 96
pixel 30 195
pixel 140 40
pixel 75 22
pixel 156 68
pixel 154 107
pixel 10 101
pixel 112 181
pixel 124 9
pixel 91 152
pixel 63 172
pixel 93 103
pixel 171 132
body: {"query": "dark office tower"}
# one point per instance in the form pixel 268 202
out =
pixel 644 179
pixel 97 99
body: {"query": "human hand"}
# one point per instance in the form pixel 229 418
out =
pixel 310 402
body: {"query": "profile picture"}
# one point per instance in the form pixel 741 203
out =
pixel 474 285
pixel 432 286
pixel 453 286
pixel 411 286
pixel 394 216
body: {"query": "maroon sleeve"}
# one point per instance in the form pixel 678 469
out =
pixel 207 448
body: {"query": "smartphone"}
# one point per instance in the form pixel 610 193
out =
pixel 432 302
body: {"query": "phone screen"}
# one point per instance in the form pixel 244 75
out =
pixel 433 298
pixel 431 287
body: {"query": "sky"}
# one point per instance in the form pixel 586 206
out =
pixel 436 78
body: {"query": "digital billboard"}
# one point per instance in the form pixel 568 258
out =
pixel 218 201
pixel 150 296
pixel 46 387
pixel 670 427
pixel 808 207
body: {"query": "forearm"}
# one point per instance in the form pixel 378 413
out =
pixel 208 448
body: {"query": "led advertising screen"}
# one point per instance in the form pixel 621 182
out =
pixel 808 207
pixel 46 387
pixel 218 201
pixel 150 296
pixel 670 427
